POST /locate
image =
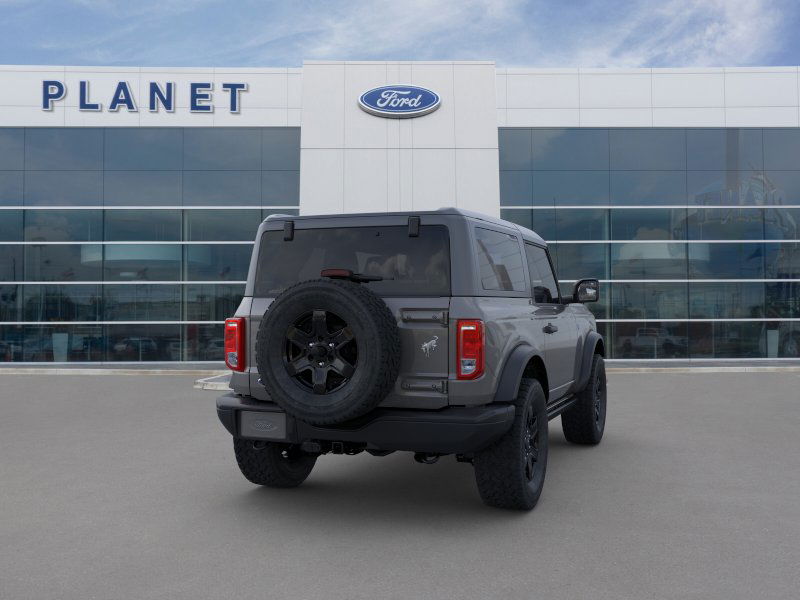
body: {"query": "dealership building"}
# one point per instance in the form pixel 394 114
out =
pixel 129 197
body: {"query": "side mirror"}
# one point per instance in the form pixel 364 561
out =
pixel 586 290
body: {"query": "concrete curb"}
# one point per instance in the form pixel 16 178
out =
pixel 57 371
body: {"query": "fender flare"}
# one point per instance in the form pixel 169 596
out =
pixel 511 377
pixel 589 345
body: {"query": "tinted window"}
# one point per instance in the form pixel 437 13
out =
pixel 77 188
pixel 12 144
pixel 10 304
pixel 204 342
pixel 280 188
pixel 648 187
pixel 10 226
pixel 143 262
pixel 723 149
pixel 280 147
pixel 543 282
pixel 142 225
pixel 650 339
pixel 63 225
pixel 221 225
pixel 734 187
pixel 648 261
pixel 726 340
pixel 65 148
pixel 580 261
pixel 649 224
pixel 726 261
pixel 143 342
pixel 234 188
pixel 11 187
pixel 62 343
pixel 648 149
pixel 542 221
pixel 564 188
pixel 214 262
pixel 726 223
pixel 145 148
pixel 212 302
pixel 782 149
pixel 11 263
pixel 581 224
pixel 515 149
pixel 418 266
pixel 648 300
pixel 570 149
pixel 499 261
pixel 516 188
pixel 726 300
pixel 143 188
pixel 222 148
pixel 63 262
pixel 142 302
pixel 61 302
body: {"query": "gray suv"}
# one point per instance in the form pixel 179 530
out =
pixel 439 332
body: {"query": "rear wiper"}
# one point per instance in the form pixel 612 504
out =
pixel 349 275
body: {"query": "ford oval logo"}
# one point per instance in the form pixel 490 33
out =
pixel 399 101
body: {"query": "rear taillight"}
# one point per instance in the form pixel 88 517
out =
pixel 469 353
pixel 234 344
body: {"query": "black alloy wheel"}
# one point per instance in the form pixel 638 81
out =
pixel 321 353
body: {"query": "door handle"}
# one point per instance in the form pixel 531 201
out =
pixel 549 328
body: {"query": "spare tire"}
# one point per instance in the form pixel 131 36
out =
pixel 328 351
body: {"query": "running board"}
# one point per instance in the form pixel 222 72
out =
pixel 560 405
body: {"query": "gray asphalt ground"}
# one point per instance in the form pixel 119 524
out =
pixel 126 487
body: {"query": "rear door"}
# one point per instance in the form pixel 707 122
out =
pixel 554 322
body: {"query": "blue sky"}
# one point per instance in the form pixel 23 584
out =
pixel 588 33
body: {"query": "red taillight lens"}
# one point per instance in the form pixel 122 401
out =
pixel 234 344
pixel 469 359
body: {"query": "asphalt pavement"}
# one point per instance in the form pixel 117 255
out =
pixel 125 486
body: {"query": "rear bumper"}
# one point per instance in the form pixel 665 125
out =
pixel 452 430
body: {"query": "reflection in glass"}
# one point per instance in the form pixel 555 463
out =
pixel 783 187
pixel 11 226
pixel 143 342
pixel 11 188
pixel 143 225
pixel 142 302
pixel 726 261
pixel 280 188
pixel 63 188
pixel 727 340
pixel 63 148
pixel 648 300
pixel 62 303
pixel 217 263
pixel 782 260
pixel 514 149
pixel 648 261
pixel 571 188
pixel 724 149
pixel 143 188
pixel 516 188
pixel 650 224
pixel 648 187
pixel 726 223
pixel 11 263
pixel 581 224
pixel 222 148
pixel 143 148
pixel 63 225
pixel 234 188
pixel 12 148
pixel 10 303
pixel 732 188
pixel 726 300
pixel 783 299
pixel 650 339
pixel 782 148
pixel 63 262
pixel 580 261
pixel 204 342
pixel 541 222
pixel 206 302
pixel 648 149
pixel 62 343
pixel 783 340
pixel 280 148
pixel 221 225
pixel 570 149
pixel 145 262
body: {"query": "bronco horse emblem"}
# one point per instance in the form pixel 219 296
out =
pixel 429 346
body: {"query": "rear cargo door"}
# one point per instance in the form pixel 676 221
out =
pixel 424 351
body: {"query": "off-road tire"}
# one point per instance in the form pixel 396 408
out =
pixel 374 331
pixel 500 469
pixel 271 464
pixel 584 421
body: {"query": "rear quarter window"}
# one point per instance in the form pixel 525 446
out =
pixel 499 261
pixel 410 266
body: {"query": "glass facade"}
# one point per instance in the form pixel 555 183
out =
pixel 693 232
pixel 132 244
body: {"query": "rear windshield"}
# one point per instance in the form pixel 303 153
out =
pixel 410 266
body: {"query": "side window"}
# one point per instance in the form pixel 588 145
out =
pixel 499 261
pixel 543 282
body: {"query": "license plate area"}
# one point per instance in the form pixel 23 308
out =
pixel 262 425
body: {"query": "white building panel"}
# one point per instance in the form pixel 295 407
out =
pixel 689 90
pixel 615 90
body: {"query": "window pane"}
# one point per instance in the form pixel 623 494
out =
pixel 543 284
pixel 204 342
pixel 570 149
pixel 221 148
pixel 280 148
pixel 649 224
pixel 62 343
pixel 11 188
pixel 68 262
pixel 142 225
pixel 11 226
pixel 730 188
pixel 62 303
pixel 11 263
pixel 280 188
pixel 648 261
pixel 142 302
pixel 65 188
pixel 12 148
pixel 726 224
pixel 648 187
pixel 723 149
pixel 63 225
pixel 212 302
pixel 221 188
pixel 221 225
pixel 514 149
pixel 784 341
pixel 782 261
pixel 580 261
pixel 516 188
pixel 648 301
pixel 218 263
pixel 540 221
pixel 143 188
pixel 726 261
pixel 650 339
pixel 153 262
pixel 783 299
pixel 727 340
pixel 782 148
pixel 143 148
pixel 11 340
pixel 581 224
pixel 143 342
pixel 726 300
pixel 648 149
pixel 10 307
pixel 499 261
pixel 63 148
pixel 783 187
pixel 564 188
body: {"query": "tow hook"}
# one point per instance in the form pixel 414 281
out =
pixel 426 458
